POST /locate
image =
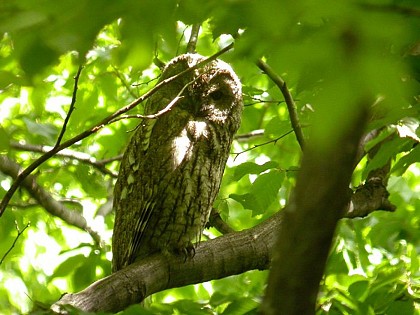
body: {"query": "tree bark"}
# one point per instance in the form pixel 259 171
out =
pixel 231 254
pixel 319 200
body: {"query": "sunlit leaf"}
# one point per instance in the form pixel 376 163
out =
pixel 386 152
pixel 252 168
pixel 242 306
pixel 69 266
pixel 404 162
pixel 263 192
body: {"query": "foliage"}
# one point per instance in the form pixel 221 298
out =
pixel 332 56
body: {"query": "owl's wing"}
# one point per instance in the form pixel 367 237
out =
pixel 140 226
pixel 130 222
pixel 145 208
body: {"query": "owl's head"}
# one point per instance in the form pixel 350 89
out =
pixel 213 92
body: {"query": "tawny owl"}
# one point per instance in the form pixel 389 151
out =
pixel 172 168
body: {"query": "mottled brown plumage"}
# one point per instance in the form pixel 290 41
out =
pixel 171 171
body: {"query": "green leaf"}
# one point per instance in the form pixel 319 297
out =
pixel 263 192
pixel 136 309
pixel 189 307
pixel 7 78
pixel 401 308
pixel 91 182
pixel 47 131
pixel 68 266
pixel 219 298
pixel 242 306
pixel 4 140
pixel 84 274
pixel 252 168
pixel 359 290
pixel 277 127
pixel 404 162
pixel 36 55
pixel 387 151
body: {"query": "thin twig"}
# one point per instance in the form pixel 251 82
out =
pixel 192 43
pixel 79 156
pixel 162 111
pixel 72 107
pixel 111 159
pixel 261 144
pixel 249 135
pixel 99 126
pixel 262 101
pixel 146 82
pixel 124 82
pixel 14 242
pixel 291 106
pixel 26 205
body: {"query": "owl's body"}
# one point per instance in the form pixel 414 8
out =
pixel 172 168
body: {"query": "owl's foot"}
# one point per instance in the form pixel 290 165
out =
pixel 188 252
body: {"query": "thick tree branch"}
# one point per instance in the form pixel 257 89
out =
pixel 372 195
pixel 214 259
pixel 54 207
pixel 291 106
pixel 22 175
pixel 230 254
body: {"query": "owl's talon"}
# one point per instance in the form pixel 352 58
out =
pixel 188 252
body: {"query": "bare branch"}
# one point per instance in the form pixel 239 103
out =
pixel 19 179
pixel 52 206
pixel 262 144
pixel 162 111
pixel 72 106
pixel 111 159
pixel 14 242
pixel 192 43
pixel 217 222
pixel 291 106
pixel 251 134
pixel 79 156
pixel 257 101
pixel 233 253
